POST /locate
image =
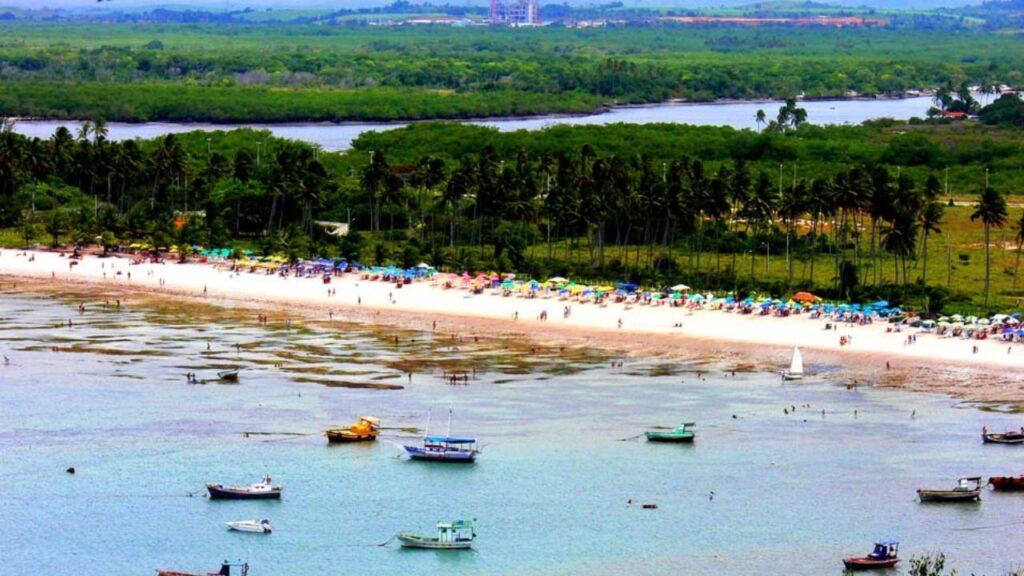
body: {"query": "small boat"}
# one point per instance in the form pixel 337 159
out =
pixel 883 556
pixel 367 428
pixel 444 448
pixel 225 570
pixel 228 375
pixel 968 489
pixel 1008 437
pixel 456 535
pixel 1007 483
pixel 258 526
pixel 681 434
pixel 262 490
pixel 796 366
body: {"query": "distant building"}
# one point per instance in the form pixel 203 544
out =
pixel 515 12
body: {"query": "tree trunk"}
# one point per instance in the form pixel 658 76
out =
pixel 988 264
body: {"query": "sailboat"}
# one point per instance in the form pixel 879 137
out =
pixel 796 366
pixel 444 448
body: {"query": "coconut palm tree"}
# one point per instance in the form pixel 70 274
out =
pixel 991 210
pixel 1020 242
pixel 760 119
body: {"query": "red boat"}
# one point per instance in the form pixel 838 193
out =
pixel 884 556
pixel 1007 483
pixel 225 570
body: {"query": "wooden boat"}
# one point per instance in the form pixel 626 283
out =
pixel 967 490
pixel 1007 483
pixel 228 375
pixel 262 490
pixel 366 429
pixel 796 366
pixel 681 434
pixel 256 526
pixel 456 535
pixel 883 556
pixel 448 448
pixel 1010 437
pixel 225 570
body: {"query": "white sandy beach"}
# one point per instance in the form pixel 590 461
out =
pixel 425 301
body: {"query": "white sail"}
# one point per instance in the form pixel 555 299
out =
pixel 796 367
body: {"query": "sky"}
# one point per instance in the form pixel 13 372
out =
pixel 240 4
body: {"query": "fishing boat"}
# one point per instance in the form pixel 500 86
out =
pixel 796 366
pixel 228 375
pixel 456 535
pixel 968 489
pixel 262 490
pixel 1008 437
pixel 683 433
pixel 366 429
pixel 1007 483
pixel 883 556
pixel 447 448
pixel 257 526
pixel 225 570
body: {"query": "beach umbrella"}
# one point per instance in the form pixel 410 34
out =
pixel 696 298
pixel 805 297
pixel 679 288
pixel 558 279
pixel 881 304
pixel 676 296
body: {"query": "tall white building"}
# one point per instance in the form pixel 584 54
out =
pixel 515 12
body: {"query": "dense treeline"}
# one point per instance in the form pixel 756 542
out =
pixel 494 71
pixel 841 207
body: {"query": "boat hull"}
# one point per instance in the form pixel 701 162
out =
pixel 228 493
pixel 345 436
pixel 867 563
pixel 669 437
pixel 249 527
pixel 1013 438
pixel 1007 483
pixel 789 376
pixel 228 375
pixel 425 543
pixel 949 495
pixel 449 456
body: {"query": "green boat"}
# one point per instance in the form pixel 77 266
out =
pixel 683 433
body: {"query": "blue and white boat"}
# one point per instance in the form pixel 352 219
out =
pixel 447 448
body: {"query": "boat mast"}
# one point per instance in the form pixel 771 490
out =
pixel 449 434
pixel 426 431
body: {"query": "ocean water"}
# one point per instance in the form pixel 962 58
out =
pixel 561 460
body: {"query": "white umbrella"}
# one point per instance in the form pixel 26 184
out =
pixel 680 287
pixel 558 279
pixel 424 265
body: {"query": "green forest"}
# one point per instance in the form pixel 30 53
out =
pixel 253 72
pixel 927 215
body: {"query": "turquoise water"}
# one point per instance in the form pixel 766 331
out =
pixel 793 493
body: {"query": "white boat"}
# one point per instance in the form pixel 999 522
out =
pixel 258 526
pixel 796 366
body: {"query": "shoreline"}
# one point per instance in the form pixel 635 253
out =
pixel 707 338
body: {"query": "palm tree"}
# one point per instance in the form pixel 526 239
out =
pixel 991 210
pixel 760 119
pixel 1020 242
pixel 929 218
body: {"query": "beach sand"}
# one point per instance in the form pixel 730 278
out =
pixel 706 337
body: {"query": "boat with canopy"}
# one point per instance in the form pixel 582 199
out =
pixel 968 489
pixel 448 448
pixel 225 570
pixel 883 556
pixel 457 535
pixel 366 429
pixel 262 490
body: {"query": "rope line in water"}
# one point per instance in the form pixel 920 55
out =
pixel 992 527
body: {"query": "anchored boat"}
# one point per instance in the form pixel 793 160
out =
pixel 1007 483
pixel 1008 437
pixel 366 429
pixel 683 433
pixel 257 526
pixel 262 490
pixel 458 535
pixel 448 448
pixel 883 556
pixel 228 375
pixel 225 570
pixel 968 489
